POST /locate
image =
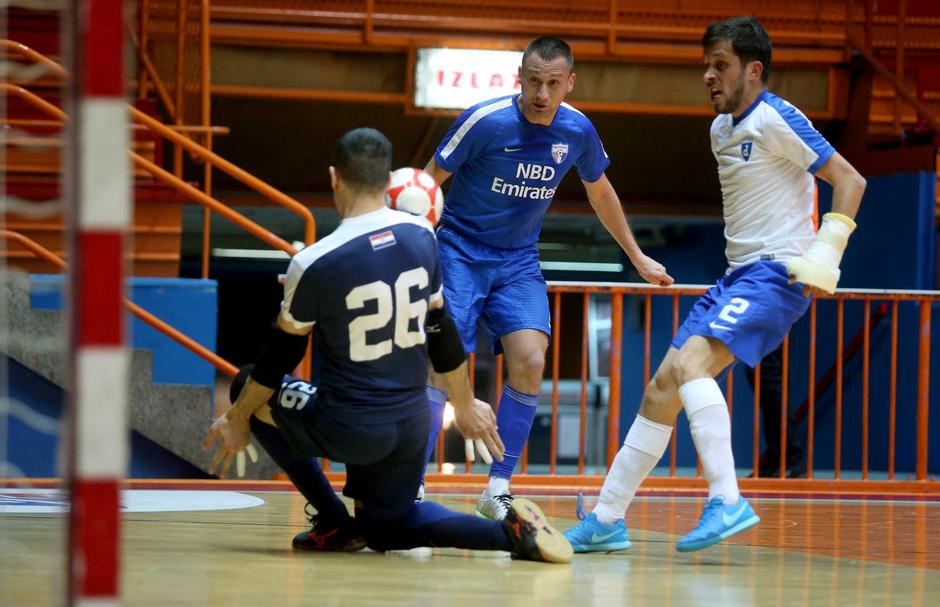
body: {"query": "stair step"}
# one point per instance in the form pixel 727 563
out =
pixel 155 235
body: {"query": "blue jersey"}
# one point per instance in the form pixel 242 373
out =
pixel 506 169
pixel 365 289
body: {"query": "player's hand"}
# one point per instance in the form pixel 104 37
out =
pixel 816 279
pixel 653 272
pixel 472 446
pixel 818 267
pixel 477 423
pixel 232 433
pixel 240 459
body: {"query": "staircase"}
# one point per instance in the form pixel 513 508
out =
pixel 176 417
pixel 32 160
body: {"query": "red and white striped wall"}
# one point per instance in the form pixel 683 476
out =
pixel 101 211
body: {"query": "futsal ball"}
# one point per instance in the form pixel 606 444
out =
pixel 414 191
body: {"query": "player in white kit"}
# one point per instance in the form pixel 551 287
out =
pixel 767 153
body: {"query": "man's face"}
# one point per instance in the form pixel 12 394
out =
pixel 725 78
pixel 544 86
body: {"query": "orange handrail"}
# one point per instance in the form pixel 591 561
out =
pixel 169 179
pixel 921 109
pixel 185 128
pixel 194 148
pixel 244 177
pixel 193 346
pixel 21 49
pixel 34 100
pixel 211 203
pixel 151 72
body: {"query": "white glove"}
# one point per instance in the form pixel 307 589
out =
pixel 819 265
pixel 240 459
pixel 481 449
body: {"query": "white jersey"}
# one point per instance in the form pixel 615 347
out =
pixel 766 161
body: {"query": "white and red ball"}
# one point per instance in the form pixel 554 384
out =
pixel 414 191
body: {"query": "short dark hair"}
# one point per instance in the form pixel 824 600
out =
pixel 363 158
pixel 549 48
pixel 748 38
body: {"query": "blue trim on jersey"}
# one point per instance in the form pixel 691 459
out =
pixel 747 112
pixel 803 129
pixel 506 169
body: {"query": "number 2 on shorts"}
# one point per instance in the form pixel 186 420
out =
pixel 736 307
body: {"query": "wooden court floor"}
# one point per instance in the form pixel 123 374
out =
pixel 804 552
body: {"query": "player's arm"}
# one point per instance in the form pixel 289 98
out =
pixel 285 350
pixel 818 267
pixel 475 418
pixel 606 204
pixel 439 174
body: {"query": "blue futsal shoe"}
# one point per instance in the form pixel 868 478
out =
pixel 591 535
pixel 718 522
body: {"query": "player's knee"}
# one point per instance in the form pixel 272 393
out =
pixel 659 401
pixel 527 370
pixel 688 364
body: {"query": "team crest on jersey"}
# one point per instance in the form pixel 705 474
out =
pixel 559 151
pixel 746 149
pixel 382 240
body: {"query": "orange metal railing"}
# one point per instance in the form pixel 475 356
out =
pixel 209 157
pixel 806 32
pixel 15 48
pixel 188 190
pixel 612 26
pixel 269 192
pixel 184 340
pixel 888 480
pixel 201 197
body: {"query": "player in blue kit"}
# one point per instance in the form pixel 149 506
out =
pixel 507 157
pixel 371 291
pixel 767 153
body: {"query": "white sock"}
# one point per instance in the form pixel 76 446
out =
pixel 497 486
pixel 707 411
pixel 642 449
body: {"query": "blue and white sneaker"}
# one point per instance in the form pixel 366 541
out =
pixel 591 535
pixel 719 522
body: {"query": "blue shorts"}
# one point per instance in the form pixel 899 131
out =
pixel 503 289
pixel 384 461
pixel 750 310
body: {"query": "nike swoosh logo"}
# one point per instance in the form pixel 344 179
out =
pixel 718 327
pixel 731 520
pixel 596 539
pixel 511 149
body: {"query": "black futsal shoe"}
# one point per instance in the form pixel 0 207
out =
pixel 330 537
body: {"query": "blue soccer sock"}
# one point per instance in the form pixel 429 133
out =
pixel 514 420
pixel 432 525
pixel 305 473
pixel 436 401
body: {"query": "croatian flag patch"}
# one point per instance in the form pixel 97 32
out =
pixel 382 240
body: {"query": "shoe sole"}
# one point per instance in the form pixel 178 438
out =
pixel 741 526
pixel 608 547
pixel 553 546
